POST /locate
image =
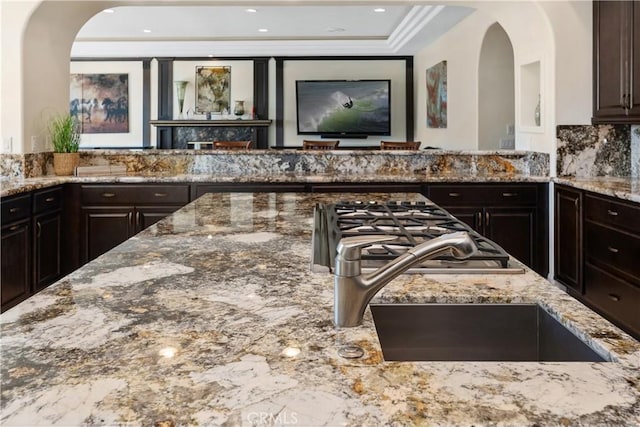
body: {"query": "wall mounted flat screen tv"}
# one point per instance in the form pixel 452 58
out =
pixel 333 108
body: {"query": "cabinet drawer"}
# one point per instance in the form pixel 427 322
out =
pixel 16 208
pixel 613 250
pixel 616 214
pixel 50 199
pixel 615 297
pixel 461 194
pixel 135 194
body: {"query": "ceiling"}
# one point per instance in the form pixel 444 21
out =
pixel 135 31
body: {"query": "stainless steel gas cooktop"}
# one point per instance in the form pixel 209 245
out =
pixel 412 223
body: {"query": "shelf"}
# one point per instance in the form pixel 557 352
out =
pixel 211 123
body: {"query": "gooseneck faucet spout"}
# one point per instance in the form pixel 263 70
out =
pixel 353 291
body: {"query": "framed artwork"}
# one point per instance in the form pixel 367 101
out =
pixel 437 95
pixel 213 93
pixel 100 102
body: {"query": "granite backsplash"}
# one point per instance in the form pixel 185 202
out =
pixel 282 162
pixel 601 150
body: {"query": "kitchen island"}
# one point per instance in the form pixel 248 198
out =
pixel 212 316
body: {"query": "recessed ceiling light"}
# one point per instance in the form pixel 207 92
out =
pixel 250 10
pixel 146 31
pixel 335 30
pixel 108 11
pixel 379 9
pixel 263 30
pixel 210 56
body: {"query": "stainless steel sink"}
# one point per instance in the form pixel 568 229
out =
pixel 476 332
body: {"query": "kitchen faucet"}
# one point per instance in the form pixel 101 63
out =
pixel 353 291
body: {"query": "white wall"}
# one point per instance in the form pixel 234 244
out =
pixel 460 47
pixel 349 70
pixel 496 99
pixel 571 23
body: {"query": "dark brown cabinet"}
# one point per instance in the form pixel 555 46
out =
pixel 113 213
pixel 47 236
pixel 16 260
pixel 513 216
pixel 599 238
pixel 616 59
pixel 568 237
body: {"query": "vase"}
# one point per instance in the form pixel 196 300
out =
pixel 238 110
pixel 181 86
pixel 536 114
pixel 64 164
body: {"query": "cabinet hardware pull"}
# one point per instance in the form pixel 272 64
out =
pixel 479 222
pixel 614 297
pixel 14 210
pixel 130 215
pixel 14 228
pixel 138 222
pixel 49 199
pixel 454 194
pixel 576 202
pixel 108 195
pixel 612 213
pixel 509 194
pixel 613 250
pixel 486 218
pixel 160 194
pixel 39 229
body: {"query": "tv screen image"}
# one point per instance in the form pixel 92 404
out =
pixel 343 107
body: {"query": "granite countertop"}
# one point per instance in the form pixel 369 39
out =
pixel 623 188
pixel 11 187
pixel 213 317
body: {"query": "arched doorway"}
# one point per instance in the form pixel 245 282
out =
pixel 496 97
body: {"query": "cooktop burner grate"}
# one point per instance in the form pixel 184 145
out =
pixel 412 222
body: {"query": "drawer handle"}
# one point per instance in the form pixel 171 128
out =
pixel 14 228
pixel 613 250
pixel 49 199
pixel 108 195
pixel 14 210
pixel 614 297
pixel 612 213
pixel 509 194
pixel 160 194
pixel 39 229
pixel 454 194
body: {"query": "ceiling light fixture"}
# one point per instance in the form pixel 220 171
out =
pixel 334 30
pixel 263 30
pixel 108 11
pixel 146 31
pixel 379 9
pixel 250 10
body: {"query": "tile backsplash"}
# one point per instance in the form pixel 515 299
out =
pixel 598 150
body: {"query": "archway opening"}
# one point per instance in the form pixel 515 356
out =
pixel 496 91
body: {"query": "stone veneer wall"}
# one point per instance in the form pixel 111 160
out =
pixel 600 150
pixel 284 162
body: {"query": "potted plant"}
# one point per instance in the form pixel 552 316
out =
pixel 65 137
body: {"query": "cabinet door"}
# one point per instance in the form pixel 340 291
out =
pixel 46 250
pixel 149 215
pixel 16 266
pixel 470 216
pixel 104 228
pixel 634 109
pixel 611 58
pixel 514 230
pixel 568 238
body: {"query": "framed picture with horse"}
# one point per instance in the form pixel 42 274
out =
pixel 100 102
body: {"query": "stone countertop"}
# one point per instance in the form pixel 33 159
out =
pixel 622 188
pixel 11 187
pixel 213 317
